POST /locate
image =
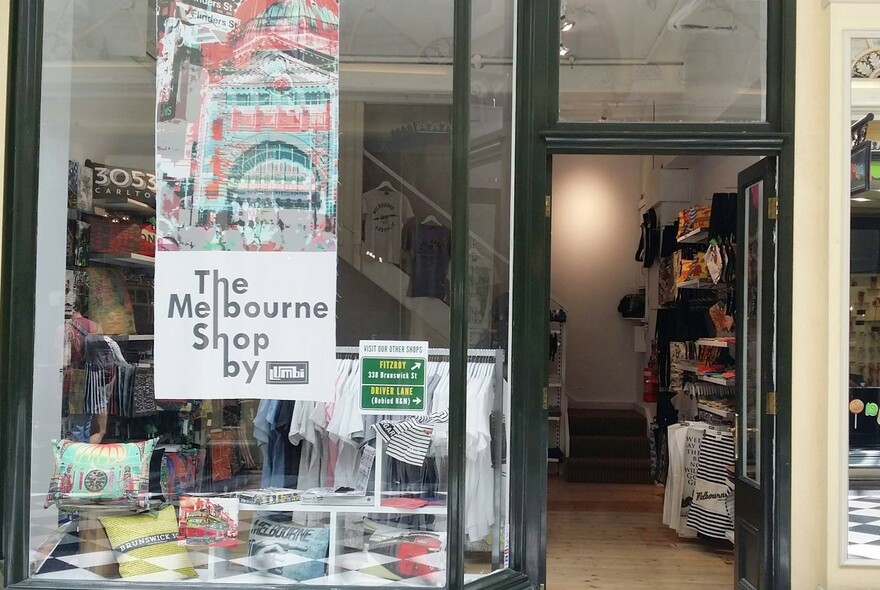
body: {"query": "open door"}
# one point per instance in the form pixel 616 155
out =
pixel 756 376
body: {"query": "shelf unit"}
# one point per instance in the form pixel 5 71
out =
pixel 131 259
pixel 122 206
pixel 727 414
pixel 717 380
pixel 694 237
pixel 557 435
pixel 716 343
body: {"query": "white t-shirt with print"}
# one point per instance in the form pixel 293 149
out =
pixel 385 212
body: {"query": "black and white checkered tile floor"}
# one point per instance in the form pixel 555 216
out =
pixel 74 553
pixel 864 525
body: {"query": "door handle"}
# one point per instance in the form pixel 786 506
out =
pixel 735 431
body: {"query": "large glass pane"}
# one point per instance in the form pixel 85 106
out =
pixel 490 210
pixel 261 106
pixel 863 302
pixel 750 439
pixel 663 60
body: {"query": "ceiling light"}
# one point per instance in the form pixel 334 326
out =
pixel 861 200
pixel 566 25
pixel 563 50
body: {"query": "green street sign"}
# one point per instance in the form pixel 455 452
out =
pixel 393 377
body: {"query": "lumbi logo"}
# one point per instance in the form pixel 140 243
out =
pixel 287 372
pixel 216 301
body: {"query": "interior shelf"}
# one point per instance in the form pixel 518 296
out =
pixel 130 337
pixel 694 237
pixel 341 508
pixel 136 260
pixel 123 206
pixel 699 284
pixel 717 411
pixel 717 380
pixel 716 343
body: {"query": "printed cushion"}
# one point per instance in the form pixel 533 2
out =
pixel 104 473
pixel 147 547
pixel 275 546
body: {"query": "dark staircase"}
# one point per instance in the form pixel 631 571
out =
pixel 608 446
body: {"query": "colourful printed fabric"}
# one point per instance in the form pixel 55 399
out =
pixel 147 547
pixel 97 473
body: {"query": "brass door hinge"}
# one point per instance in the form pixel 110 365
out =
pixel 547 206
pixel 773 207
pixel 544 402
pixel 771 403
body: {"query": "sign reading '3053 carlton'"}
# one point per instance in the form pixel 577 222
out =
pixel 116 183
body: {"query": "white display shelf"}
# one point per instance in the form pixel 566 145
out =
pixel 555 384
pixel 136 260
pixel 552 460
pixel 695 237
pixel 340 508
pixel 717 411
pixel 554 418
pixel 717 380
pixel 716 343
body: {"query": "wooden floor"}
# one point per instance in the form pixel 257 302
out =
pixel 612 537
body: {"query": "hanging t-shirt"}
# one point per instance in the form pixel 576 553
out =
pixel 480 283
pixel 385 213
pixel 709 514
pixel 429 246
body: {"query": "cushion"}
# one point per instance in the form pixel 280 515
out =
pixel 271 543
pixel 146 546
pixel 100 473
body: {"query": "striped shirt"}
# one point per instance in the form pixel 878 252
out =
pixel 709 514
pixel 408 441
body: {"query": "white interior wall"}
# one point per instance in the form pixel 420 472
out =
pixel 595 233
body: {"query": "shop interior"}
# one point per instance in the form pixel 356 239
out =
pixel 862 321
pixel 642 371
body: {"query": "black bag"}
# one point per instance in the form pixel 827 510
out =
pixel 649 244
pixel 632 306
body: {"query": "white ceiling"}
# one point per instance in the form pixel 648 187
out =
pixel 637 60
pixel 629 63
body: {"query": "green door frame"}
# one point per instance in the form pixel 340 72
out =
pixel 539 136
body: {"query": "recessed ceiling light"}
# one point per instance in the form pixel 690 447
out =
pixel 861 200
pixel 566 25
pixel 563 50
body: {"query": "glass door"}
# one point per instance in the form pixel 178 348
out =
pixel 756 384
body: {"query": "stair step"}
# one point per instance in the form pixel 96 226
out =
pixel 606 423
pixel 610 447
pixel 633 471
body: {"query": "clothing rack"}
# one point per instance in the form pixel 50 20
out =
pixel 482 355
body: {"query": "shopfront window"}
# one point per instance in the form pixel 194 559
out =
pixel 663 61
pixel 863 298
pixel 241 371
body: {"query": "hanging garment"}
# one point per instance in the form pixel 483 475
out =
pixel 385 213
pixel 408 441
pixel 709 514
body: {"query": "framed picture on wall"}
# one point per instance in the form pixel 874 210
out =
pixel 860 168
